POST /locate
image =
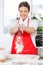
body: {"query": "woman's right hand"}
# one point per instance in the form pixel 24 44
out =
pixel 13 30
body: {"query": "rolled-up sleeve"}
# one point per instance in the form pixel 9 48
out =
pixel 33 23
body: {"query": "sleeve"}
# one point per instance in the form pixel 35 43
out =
pixel 33 23
pixel 13 24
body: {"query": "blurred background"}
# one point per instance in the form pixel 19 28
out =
pixel 9 12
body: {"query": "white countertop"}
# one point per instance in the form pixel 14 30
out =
pixel 16 59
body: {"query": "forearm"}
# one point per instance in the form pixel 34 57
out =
pixel 13 31
pixel 30 29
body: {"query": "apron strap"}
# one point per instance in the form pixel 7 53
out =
pixel 27 22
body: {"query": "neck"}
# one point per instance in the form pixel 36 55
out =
pixel 24 19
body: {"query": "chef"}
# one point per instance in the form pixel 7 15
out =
pixel 24 32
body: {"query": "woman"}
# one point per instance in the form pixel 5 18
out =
pixel 24 33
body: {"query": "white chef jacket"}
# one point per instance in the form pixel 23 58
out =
pixel 32 23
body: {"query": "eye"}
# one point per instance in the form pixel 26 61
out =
pixel 21 11
pixel 25 11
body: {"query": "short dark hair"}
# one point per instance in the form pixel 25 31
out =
pixel 25 4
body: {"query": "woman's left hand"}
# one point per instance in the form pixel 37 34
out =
pixel 29 29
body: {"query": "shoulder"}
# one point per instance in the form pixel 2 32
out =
pixel 33 23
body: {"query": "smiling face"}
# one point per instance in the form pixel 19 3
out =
pixel 23 11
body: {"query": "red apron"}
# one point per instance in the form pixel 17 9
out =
pixel 29 47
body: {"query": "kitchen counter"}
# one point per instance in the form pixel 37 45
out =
pixel 16 59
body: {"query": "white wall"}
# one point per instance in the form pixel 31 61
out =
pixel 5 39
pixel 1 16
